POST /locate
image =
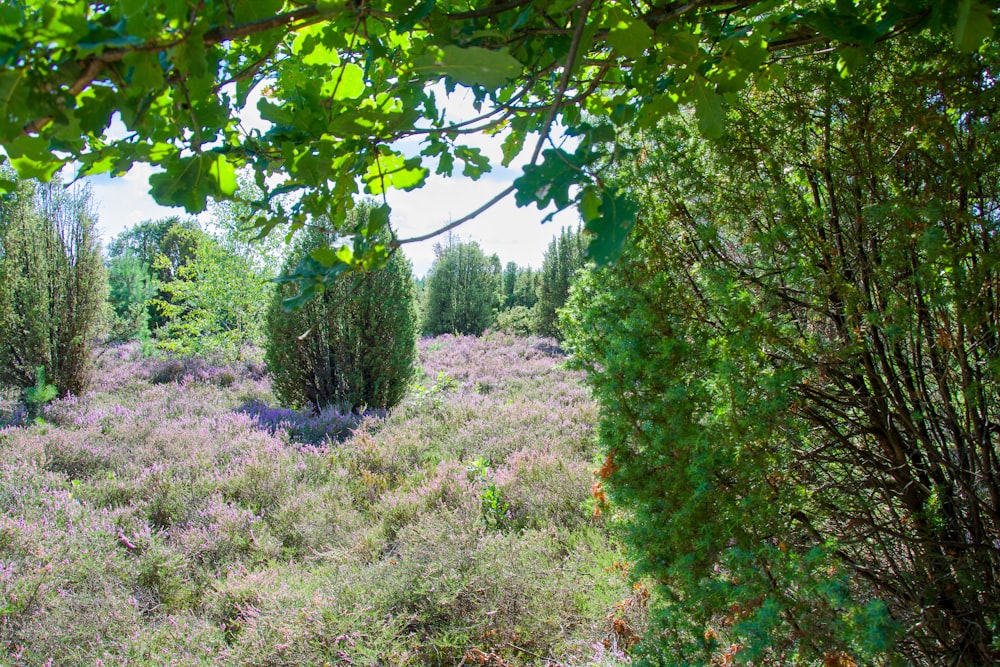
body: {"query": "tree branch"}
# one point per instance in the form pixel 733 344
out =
pixel 222 34
pixel 460 221
pixel 95 64
pixel 490 11
pixel 574 49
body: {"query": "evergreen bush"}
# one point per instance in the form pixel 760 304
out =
pixel 797 363
pixel 52 286
pixel 516 320
pixel 353 345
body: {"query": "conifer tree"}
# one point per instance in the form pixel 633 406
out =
pixel 463 290
pixel 353 345
pixel 797 361
pixel 52 286
pixel 131 287
pixel 566 254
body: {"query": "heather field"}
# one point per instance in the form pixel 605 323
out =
pixel 174 515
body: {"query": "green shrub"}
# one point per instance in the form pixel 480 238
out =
pixel 52 286
pixel 353 345
pixel 516 320
pixel 37 396
pixel 781 355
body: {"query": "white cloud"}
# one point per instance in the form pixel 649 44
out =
pixel 124 201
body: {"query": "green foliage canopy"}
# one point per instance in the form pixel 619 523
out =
pixel 165 244
pixel 163 249
pixel 342 82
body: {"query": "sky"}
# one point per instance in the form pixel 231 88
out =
pixel 514 234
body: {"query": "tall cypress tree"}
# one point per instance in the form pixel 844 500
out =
pixel 52 285
pixel 566 254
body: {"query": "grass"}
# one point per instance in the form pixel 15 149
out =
pixel 173 515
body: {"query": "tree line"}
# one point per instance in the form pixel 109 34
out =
pixel 183 290
pixel 468 292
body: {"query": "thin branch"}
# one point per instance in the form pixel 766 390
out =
pixel 676 10
pixel 246 72
pixel 574 49
pixel 95 64
pixel 221 34
pixel 461 221
pixel 490 11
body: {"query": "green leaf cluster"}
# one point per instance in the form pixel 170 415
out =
pixel 341 85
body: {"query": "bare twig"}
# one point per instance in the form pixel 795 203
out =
pixel 460 221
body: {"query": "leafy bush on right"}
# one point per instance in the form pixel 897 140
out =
pixel 797 362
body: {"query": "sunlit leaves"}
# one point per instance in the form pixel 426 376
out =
pixel 392 170
pixel 345 83
pixel 469 66
pixel 849 60
pixel 32 157
pixel 190 181
pixel 590 204
pixel 330 257
pixel 513 144
pixel 630 36
pixel 310 48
